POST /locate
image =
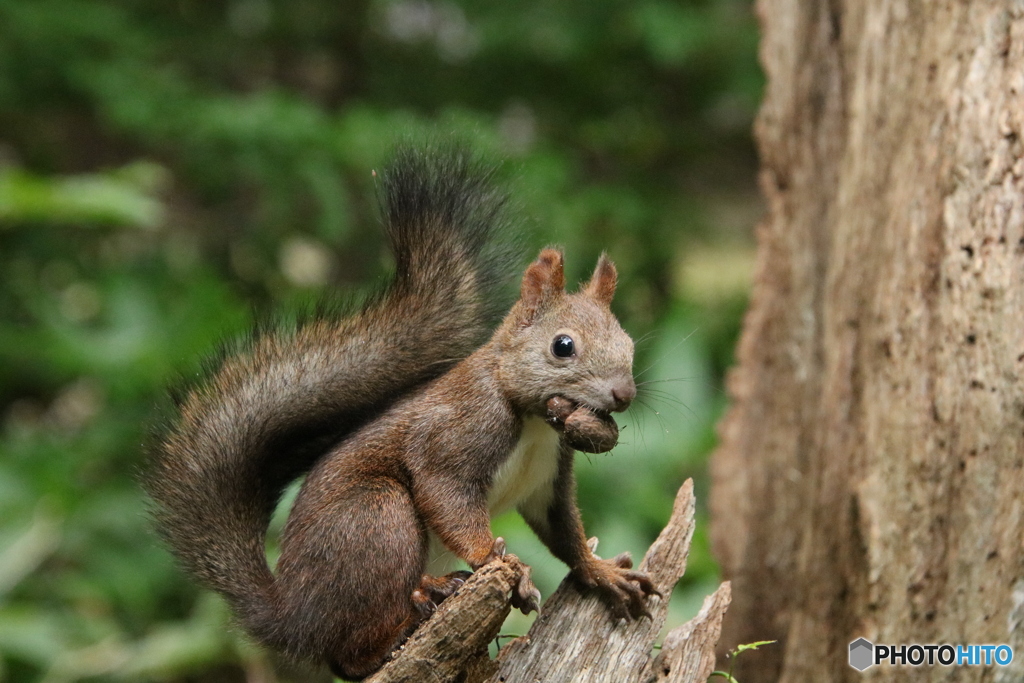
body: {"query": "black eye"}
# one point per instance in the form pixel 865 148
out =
pixel 563 346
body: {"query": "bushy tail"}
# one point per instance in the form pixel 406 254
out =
pixel 266 415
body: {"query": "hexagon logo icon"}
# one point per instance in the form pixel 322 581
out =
pixel 861 654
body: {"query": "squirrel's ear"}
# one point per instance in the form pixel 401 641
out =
pixel 543 282
pixel 602 282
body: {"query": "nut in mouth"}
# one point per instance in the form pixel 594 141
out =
pixel 585 428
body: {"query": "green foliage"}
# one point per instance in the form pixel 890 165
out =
pixel 124 198
pixel 732 655
pixel 170 170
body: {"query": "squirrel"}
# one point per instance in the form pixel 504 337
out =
pixel 406 427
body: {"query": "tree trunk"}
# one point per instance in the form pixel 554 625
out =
pixel 870 475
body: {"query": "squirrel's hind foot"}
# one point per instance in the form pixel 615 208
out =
pixel 433 590
pixel 437 588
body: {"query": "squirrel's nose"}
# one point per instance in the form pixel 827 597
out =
pixel 623 393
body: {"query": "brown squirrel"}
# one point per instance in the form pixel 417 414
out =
pixel 399 436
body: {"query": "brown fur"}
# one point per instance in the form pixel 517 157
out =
pixel 428 462
pixel 408 456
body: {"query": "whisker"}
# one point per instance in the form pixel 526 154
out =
pixel 677 402
pixel 706 383
pixel 664 396
pixel 657 414
pixel 662 357
pixel 638 417
pixel 673 379
pixel 646 338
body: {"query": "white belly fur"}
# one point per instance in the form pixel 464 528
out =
pixel 526 479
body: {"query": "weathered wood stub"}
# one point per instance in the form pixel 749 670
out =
pixel 574 639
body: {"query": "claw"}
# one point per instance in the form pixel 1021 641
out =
pixel 624 560
pixel 635 596
pixel 645 583
pixel 423 604
pixel 525 596
pixel 441 587
pixel 625 591
pixel 529 596
pixel 619 608
pixel 497 552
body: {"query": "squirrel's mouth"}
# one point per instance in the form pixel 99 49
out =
pixel 603 414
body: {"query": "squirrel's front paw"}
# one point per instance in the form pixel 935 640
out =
pixel 497 552
pixel 624 590
pixel 525 596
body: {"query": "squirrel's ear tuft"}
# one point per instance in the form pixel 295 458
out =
pixel 543 282
pixel 602 283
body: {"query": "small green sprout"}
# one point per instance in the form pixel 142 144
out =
pixel 732 659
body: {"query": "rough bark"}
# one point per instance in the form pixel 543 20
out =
pixel 688 653
pixel 574 639
pixel 869 477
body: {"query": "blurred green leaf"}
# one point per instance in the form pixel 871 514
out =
pixel 125 198
pixel 29 549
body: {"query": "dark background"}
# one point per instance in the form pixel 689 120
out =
pixel 170 170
